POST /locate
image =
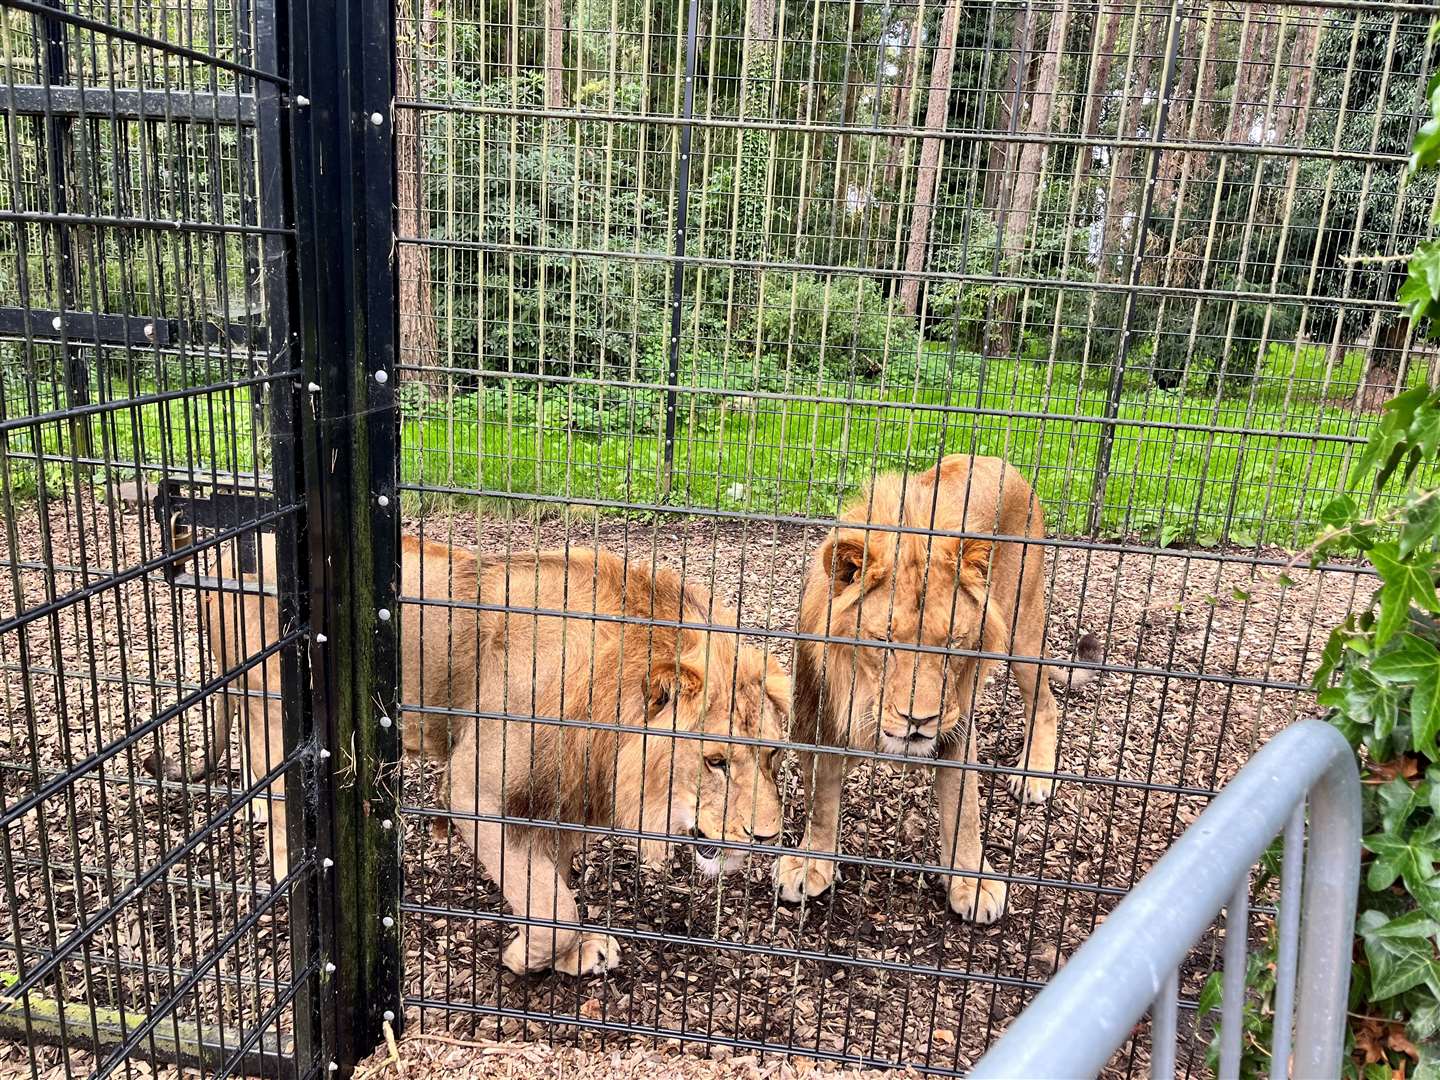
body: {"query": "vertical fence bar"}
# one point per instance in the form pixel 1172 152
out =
pixel 57 165
pixel 1232 995
pixel 682 213
pixel 1287 932
pixel 343 153
pixel 1165 1028
pixel 1137 261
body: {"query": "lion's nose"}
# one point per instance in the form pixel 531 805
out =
pixel 917 722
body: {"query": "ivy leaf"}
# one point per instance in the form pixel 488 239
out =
pixel 1424 1018
pixel 1400 952
pixel 1399 799
pixel 1422 522
pixel 1428 1067
pixel 1338 512
pixel 1411 576
pixel 1427 895
pixel 1410 855
pixel 1415 662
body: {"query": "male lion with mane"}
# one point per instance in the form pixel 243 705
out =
pixel 899 603
pixel 579 636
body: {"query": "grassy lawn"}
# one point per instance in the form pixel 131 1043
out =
pixel 1261 477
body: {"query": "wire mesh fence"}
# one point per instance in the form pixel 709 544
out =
pixel 561 440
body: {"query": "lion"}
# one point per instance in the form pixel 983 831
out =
pixel 668 729
pixel 900 602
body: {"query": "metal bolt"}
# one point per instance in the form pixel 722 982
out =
pixel 387 824
pixel 150 330
pixel 334 1067
pixel 57 322
pixel 324 753
pixel 328 864
pixel 383 500
pixel 320 639
pixel 301 100
pixel 384 614
pixel 385 722
pixel 389 1016
pixel 329 968
pixel 382 377
pixel 387 922
pixel 376 119
pixel 314 388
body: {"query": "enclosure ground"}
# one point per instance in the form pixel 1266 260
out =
pixel 1181 619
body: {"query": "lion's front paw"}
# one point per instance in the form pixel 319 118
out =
pixel 1031 790
pixel 978 900
pixel 593 954
pixel 797 877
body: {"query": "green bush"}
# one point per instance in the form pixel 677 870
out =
pixel 839 326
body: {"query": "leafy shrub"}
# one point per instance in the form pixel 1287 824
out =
pixel 839 326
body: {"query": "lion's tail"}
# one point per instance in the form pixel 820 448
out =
pixel 1087 650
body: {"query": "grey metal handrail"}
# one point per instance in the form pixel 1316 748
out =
pixel 1131 962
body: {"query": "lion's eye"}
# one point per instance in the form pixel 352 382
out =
pixel 717 761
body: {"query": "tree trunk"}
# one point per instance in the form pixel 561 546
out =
pixel 554 54
pixel 904 96
pixel 1023 187
pixel 1295 109
pixel 1172 162
pixel 418 347
pixel 753 168
pixel 936 113
pixel 1109 31
pixel 849 104
pixel 1031 155
pixel 1121 180
pixel 1017 75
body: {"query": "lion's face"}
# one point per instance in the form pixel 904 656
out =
pixel 716 789
pixel 917 594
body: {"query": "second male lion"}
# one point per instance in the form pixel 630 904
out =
pixel 517 643
pixel 885 590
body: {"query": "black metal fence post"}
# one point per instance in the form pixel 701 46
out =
pixel 57 166
pixel 682 213
pixel 343 159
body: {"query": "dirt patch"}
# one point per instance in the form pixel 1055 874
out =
pixel 1209 651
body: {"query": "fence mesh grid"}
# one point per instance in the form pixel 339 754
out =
pixel 679 286
pixel 143 361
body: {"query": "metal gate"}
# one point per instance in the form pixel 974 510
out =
pixel 325 325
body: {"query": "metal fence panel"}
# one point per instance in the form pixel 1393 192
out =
pixel 152 502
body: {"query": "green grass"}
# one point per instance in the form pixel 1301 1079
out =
pixel 1262 481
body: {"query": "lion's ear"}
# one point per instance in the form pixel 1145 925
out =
pixel 975 561
pixel 844 555
pixel 669 681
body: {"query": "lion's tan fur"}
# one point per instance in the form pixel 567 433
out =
pixel 937 597
pixel 522 639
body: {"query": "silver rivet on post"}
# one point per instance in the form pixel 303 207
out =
pixel 376 119
pixel 57 322
pixel 384 614
pixel 301 100
pixel 383 500
pixel 328 864
pixel 320 639
pixel 385 722
pixel 313 387
pixel 387 922
pixel 387 824
pixel 329 968
pixel 150 330
pixel 389 1016
pixel 334 1067
pixel 382 376
pixel 324 753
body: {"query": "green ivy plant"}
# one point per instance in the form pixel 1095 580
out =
pixel 1379 680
